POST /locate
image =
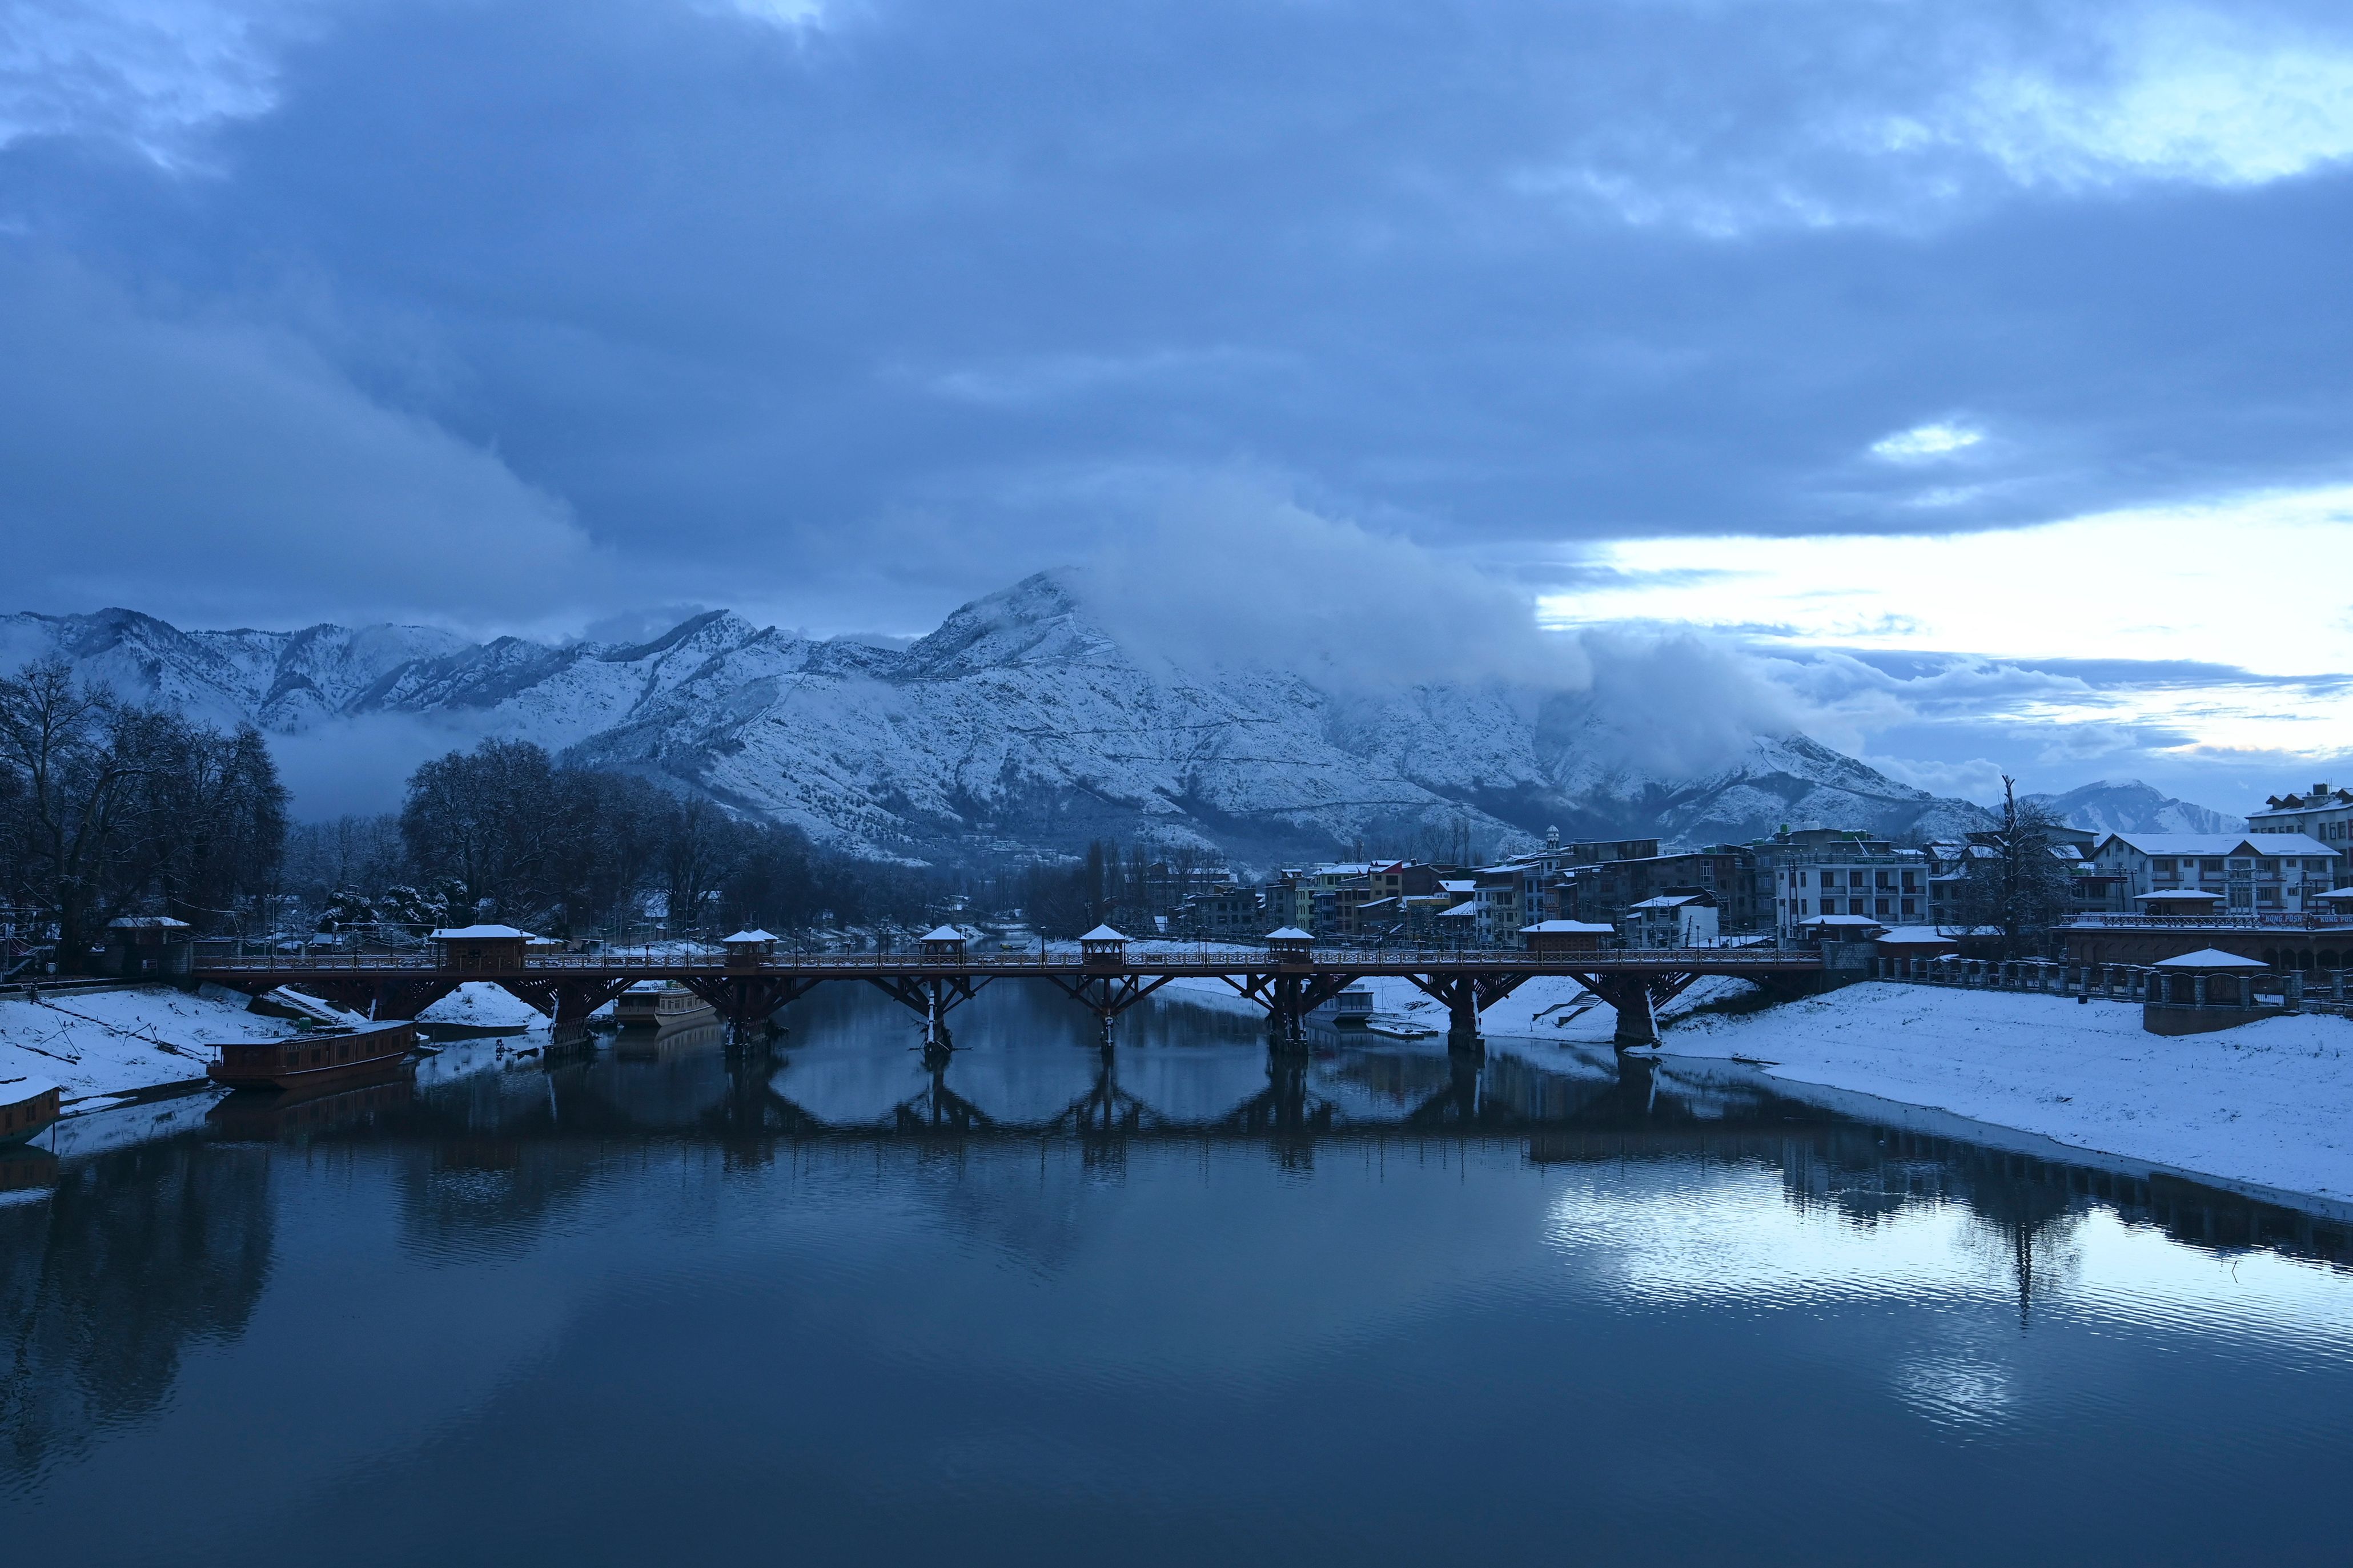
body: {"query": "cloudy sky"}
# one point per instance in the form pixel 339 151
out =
pixel 1978 371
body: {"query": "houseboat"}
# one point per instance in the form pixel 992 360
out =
pixel 662 1004
pixel 321 1056
pixel 27 1105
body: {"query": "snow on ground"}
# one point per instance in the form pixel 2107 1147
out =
pixel 105 1042
pixel 2264 1105
pixel 479 1004
pixel 2268 1103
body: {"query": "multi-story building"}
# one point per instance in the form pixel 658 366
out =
pixel 1373 904
pixel 1683 916
pixel 1226 914
pixel 1500 905
pixel 1824 871
pixel 2323 814
pixel 2270 873
pixel 1604 892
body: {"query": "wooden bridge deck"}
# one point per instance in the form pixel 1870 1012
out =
pixel 1289 985
pixel 1174 963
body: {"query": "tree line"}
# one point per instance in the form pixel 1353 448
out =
pixel 1128 887
pixel 108 808
pixel 506 833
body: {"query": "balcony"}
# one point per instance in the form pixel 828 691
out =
pixel 2238 921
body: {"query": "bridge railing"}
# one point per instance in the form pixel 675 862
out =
pixel 1145 956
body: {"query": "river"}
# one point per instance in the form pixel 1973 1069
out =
pixel 826 1306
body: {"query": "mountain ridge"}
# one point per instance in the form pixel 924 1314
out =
pixel 1019 726
pixel 2128 806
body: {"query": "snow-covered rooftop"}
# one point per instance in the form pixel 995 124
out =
pixel 1293 933
pixel 479 933
pixel 1103 934
pixel 1670 902
pixel 2177 895
pixel 1565 927
pixel 753 935
pixel 146 922
pixel 1846 920
pixel 1907 936
pixel 2210 958
pixel 940 934
pixel 2218 844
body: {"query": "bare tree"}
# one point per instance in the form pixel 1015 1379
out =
pixel 2019 888
pixel 106 808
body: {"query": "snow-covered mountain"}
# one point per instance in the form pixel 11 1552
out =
pixel 2128 806
pixel 1022 724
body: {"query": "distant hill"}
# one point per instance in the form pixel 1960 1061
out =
pixel 1023 724
pixel 2128 806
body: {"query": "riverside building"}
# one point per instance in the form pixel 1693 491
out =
pixel 1833 871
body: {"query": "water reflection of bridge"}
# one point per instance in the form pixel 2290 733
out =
pixel 148 1246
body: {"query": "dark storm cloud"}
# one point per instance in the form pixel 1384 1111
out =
pixel 845 319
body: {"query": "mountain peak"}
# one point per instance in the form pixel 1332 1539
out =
pixel 1022 726
pixel 2128 806
pixel 1039 620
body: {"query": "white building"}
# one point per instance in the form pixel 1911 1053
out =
pixel 2253 873
pixel 2324 813
pixel 1673 919
pixel 1867 878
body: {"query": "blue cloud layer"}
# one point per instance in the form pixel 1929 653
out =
pixel 843 312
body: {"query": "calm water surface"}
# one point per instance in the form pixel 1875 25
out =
pixel 827 1306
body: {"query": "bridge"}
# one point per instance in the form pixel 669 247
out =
pixel 1107 977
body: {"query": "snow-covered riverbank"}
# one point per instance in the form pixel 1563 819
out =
pixel 2266 1105
pixel 2269 1103
pixel 479 1004
pixel 110 1042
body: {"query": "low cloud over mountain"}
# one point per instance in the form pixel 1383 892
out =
pixel 1021 725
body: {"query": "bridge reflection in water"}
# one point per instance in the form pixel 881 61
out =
pixel 145 1248
pixel 1196 1076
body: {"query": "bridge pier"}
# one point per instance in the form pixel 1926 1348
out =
pixel 1638 1021
pixel 1635 998
pixel 1462 1025
pixel 1107 997
pixel 748 1001
pixel 1288 995
pixel 1465 996
pixel 930 998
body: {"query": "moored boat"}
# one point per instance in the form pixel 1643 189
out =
pixel 318 1056
pixel 663 1005
pixel 27 1105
